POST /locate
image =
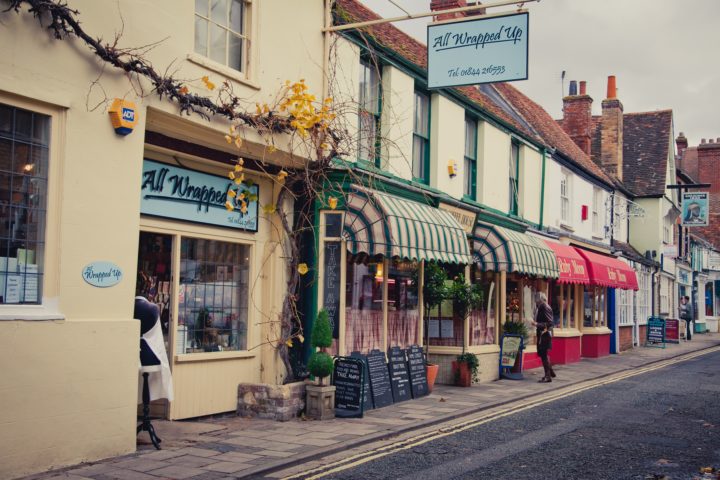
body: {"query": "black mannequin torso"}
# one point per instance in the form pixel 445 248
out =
pixel 148 314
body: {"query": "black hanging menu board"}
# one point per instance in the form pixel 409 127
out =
pixel 418 372
pixel 399 378
pixel 379 379
pixel 331 285
pixel 367 395
pixel 348 380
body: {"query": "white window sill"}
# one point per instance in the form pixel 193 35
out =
pixel 221 69
pixel 209 356
pixel 29 313
pixel 567 227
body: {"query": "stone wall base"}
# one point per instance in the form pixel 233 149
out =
pixel 277 402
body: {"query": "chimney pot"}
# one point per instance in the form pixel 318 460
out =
pixel 583 87
pixel 718 140
pixel 573 88
pixel 703 141
pixel 711 140
pixel 611 87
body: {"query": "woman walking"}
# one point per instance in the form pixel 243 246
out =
pixel 543 327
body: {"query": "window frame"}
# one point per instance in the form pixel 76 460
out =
pixel 425 140
pixel 366 64
pixel 596 223
pixel 244 36
pixel 565 198
pixel 470 159
pixel 514 179
pixel 47 308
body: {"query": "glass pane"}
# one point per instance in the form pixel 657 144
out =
pixel 482 321
pixel 219 11
pixel 235 52
pixel 41 130
pixel 23 125
pixel 367 136
pixel 213 296
pixel 363 305
pixel 218 42
pixel 6 146
pixel 403 309
pixel 418 162
pixel 470 138
pixel 333 225
pixel 201 7
pixel 6 120
pixel 468 171
pixel 236 15
pixel 421 114
pixel 201 27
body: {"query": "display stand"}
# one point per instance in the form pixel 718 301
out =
pixel 145 425
pixel 511 354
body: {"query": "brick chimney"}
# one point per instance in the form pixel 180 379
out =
pixel 437 5
pixel 709 172
pixel 681 143
pixel 577 116
pixel 611 131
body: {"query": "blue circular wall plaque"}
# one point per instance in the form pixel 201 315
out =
pixel 102 274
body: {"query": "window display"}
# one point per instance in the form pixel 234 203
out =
pixel 562 301
pixel 595 307
pixel 24 154
pixel 483 320
pixel 213 296
pixel 364 304
pixel 445 327
pixel 403 306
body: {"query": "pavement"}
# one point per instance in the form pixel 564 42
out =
pixel 228 447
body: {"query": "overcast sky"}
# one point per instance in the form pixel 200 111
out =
pixel 664 53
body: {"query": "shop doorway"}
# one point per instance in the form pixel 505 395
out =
pixel 154 282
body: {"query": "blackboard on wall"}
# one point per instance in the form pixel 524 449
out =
pixel 417 370
pixel 331 285
pixel 348 380
pixel 367 394
pixel 399 377
pixel 379 379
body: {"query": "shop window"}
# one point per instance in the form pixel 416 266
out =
pixel 403 311
pixel 221 31
pixel 445 327
pixel 213 296
pixel 562 302
pixel 154 275
pixel 421 138
pixel 483 320
pixel 642 295
pixel 24 158
pixel 520 306
pixel 369 112
pixel 624 303
pixel 595 307
pixel 364 304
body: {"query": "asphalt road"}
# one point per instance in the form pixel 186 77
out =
pixel 662 424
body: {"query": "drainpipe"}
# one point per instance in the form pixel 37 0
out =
pixel 542 189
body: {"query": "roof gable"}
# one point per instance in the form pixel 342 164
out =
pixel 647 147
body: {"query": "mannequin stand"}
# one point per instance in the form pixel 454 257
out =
pixel 145 425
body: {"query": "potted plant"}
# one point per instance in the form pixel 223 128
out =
pixel 465 368
pixel 320 397
pixel 466 298
pixel 434 292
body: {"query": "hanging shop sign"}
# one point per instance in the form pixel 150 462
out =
pixel 102 274
pixel 486 50
pixel 695 209
pixel 184 194
pixel 466 218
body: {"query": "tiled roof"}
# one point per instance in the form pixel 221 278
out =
pixel 628 251
pixel 646 147
pixel 512 103
pixel 688 163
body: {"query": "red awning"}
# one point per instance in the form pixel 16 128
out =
pixel 572 266
pixel 608 271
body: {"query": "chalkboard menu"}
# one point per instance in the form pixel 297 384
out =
pixel 367 395
pixel 348 380
pixel 331 285
pixel 656 330
pixel 418 372
pixel 399 377
pixel 379 379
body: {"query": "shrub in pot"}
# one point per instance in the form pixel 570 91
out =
pixel 320 398
pixel 465 369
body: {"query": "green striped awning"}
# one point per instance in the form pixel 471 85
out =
pixel 377 223
pixel 499 249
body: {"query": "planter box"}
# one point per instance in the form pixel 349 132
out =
pixel 277 402
pixel 461 372
pixel 320 402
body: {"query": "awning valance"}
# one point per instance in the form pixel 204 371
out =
pixel 500 249
pixel 608 271
pixel 571 265
pixel 377 223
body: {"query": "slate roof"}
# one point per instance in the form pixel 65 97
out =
pixel 646 149
pixel 628 251
pixel 500 100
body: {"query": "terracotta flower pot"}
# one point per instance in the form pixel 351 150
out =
pixel 432 372
pixel 462 374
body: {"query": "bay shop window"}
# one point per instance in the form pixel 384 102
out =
pixel 384 244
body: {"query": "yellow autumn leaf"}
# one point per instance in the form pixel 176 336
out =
pixel 238 142
pixel 229 206
pixel 289 343
pixel 272 149
pixel 184 90
pixel 232 194
pixel 228 139
pixel 269 209
pixel 231 175
pixel 206 80
pixel 332 203
pixel 302 268
pixel 241 161
pixel 301 338
pixel 238 168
